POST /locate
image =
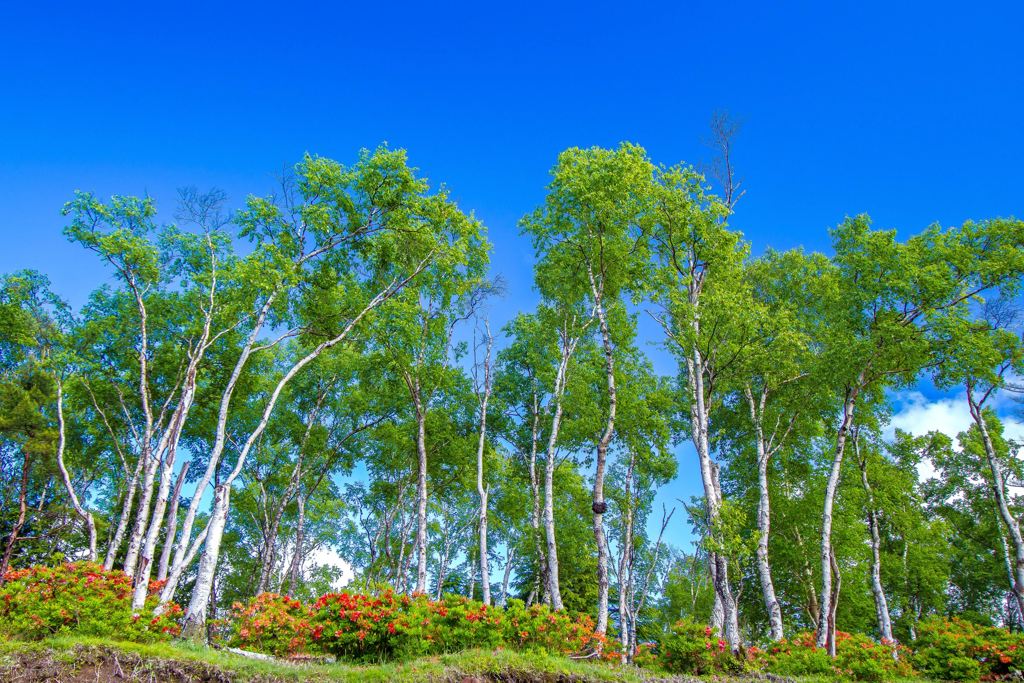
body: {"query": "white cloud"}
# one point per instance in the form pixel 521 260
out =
pixel 329 557
pixel 918 415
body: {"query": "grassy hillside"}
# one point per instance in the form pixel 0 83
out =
pixel 80 660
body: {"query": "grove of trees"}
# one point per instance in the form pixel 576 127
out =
pixel 315 375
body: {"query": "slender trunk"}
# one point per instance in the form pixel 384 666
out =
pixel 830 640
pixel 827 608
pixel 172 523
pixel 764 570
pixel 193 627
pixel 553 590
pixel 626 564
pixel 185 548
pixel 636 608
pixel 541 579
pixel 510 555
pixel 599 506
pixel 86 516
pixel 196 613
pixel 294 571
pixel 122 522
pixel 5 563
pixel 881 603
pixel 421 495
pixel 131 558
pixel 485 571
pixel 148 551
pixel 999 492
pixel 724 612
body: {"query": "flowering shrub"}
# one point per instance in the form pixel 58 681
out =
pixel 955 649
pixel 78 597
pixel 693 648
pixel 271 623
pixel 387 626
pixel 857 657
pixel 538 627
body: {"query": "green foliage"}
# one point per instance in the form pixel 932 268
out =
pixel 78 598
pixel 955 649
pixel 857 658
pixel 694 648
pixel 386 626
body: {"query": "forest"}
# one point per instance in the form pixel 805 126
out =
pixel 262 386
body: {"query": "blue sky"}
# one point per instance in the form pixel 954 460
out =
pixel 913 114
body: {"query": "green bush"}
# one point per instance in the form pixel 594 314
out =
pixel 271 623
pixel 387 626
pixel 79 598
pixel 693 648
pixel 957 649
pixel 857 658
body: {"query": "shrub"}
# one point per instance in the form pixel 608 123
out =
pixel 957 649
pixel 271 623
pixel 540 628
pixel 693 648
pixel 386 626
pixel 857 657
pixel 81 598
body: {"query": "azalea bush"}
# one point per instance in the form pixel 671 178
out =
pixel 80 598
pixel 388 626
pixel 271 623
pixel 857 658
pixel 956 649
pixel 694 648
pixel 538 627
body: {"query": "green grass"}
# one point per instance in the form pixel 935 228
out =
pixel 60 658
pixel 76 653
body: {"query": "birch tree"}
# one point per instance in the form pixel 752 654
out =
pixel 589 243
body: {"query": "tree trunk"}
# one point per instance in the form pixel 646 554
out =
pixel 125 518
pixel 5 563
pixel 553 590
pixel 725 605
pixel 999 492
pixel 294 571
pixel 626 565
pixel 208 563
pixel 86 516
pixel 540 587
pixel 510 554
pixel 764 570
pixel 827 608
pixel 485 571
pixel 881 603
pixel 172 523
pixel 193 627
pixel 599 506
pixel 421 495
pixel 131 558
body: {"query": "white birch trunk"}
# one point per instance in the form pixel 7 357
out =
pixel 827 608
pixel 195 616
pixel 541 582
pixel 122 522
pixel 599 506
pixel 485 572
pixel 172 523
pixel 421 495
pixel 90 523
pixel 764 570
pixel 881 602
pixel 999 491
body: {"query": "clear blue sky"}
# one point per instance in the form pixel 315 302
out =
pixel 911 114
